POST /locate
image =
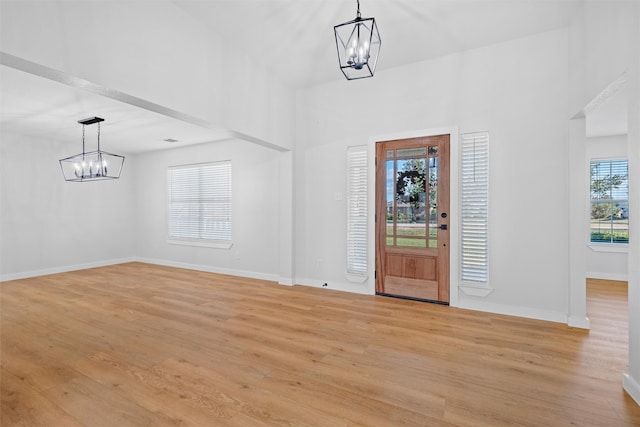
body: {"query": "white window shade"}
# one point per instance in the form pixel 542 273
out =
pixel 474 186
pixel 357 239
pixel 200 202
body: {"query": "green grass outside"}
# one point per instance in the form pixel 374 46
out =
pixel 412 231
pixel 412 243
pixel 412 236
pixel 607 236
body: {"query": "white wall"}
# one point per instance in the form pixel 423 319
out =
pixel 49 225
pixel 255 207
pixel 516 91
pixel 603 262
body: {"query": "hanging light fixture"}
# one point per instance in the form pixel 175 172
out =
pixel 92 165
pixel 358 43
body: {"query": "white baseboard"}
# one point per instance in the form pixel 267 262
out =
pixel 512 310
pixel 632 387
pixel 287 281
pixel 608 276
pixel 356 288
pixel 211 269
pixel 84 266
pixel 579 322
pixel 63 269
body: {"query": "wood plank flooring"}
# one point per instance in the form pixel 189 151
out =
pixel 143 345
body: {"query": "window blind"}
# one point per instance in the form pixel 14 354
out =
pixel 200 201
pixel 357 239
pixel 475 207
pixel 609 179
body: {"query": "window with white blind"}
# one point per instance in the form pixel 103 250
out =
pixel 609 201
pixel 474 189
pixel 199 209
pixel 357 239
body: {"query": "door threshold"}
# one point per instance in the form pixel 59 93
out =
pixel 412 298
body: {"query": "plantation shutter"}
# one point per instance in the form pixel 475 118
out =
pixel 475 207
pixel 200 201
pixel 609 201
pixel 357 210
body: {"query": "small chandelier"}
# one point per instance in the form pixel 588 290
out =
pixel 358 43
pixel 93 165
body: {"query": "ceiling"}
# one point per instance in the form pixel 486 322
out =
pixel 291 38
pixel 294 38
pixel 46 109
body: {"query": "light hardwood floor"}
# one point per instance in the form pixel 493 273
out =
pixel 143 345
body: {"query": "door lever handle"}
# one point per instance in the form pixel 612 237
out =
pixel 443 226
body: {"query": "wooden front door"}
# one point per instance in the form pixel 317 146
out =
pixel 412 218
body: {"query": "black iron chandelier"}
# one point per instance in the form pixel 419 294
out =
pixel 93 165
pixel 358 43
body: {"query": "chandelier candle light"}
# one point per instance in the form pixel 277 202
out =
pixel 358 43
pixel 93 165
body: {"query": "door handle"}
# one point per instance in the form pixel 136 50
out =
pixel 443 226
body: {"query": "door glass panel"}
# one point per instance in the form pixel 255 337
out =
pixel 433 199
pixel 412 152
pixel 414 243
pixel 410 197
pixel 391 200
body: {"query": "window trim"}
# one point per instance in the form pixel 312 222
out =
pixel 608 247
pixel 219 244
pixel 200 242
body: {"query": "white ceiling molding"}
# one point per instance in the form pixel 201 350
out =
pixel 607 113
pixel 612 90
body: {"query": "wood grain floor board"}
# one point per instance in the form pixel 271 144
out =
pixel 138 344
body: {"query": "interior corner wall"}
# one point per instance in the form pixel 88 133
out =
pixel 255 210
pixel 631 379
pixel 515 90
pixel 157 52
pixel 604 43
pixel 48 225
pixel 603 264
